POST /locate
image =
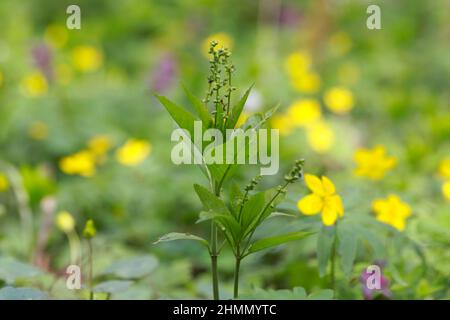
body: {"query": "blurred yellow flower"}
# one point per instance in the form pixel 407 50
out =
pixel 304 112
pixel 35 84
pixel 391 211
pixel 297 63
pixel 133 152
pixel 373 163
pixel 340 43
pixel 89 229
pixel 99 145
pixel 81 163
pixel 64 74
pixel 320 136
pixel 242 119
pixel 339 100
pixel 283 123
pixel 38 130
pixel 307 82
pixel 56 35
pixel 445 190
pixel 86 58
pixel 65 222
pixel 224 41
pixel 322 199
pixel 444 168
pixel 4 183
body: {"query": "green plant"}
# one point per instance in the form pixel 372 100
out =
pixel 236 220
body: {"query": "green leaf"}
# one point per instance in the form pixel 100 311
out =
pixel 373 240
pixel 210 201
pixel 12 270
pixel 326 294
pixel 182 117
pixel 199 107
pixel 113 286
pixel 324 246
pixel 348 243
pixel 297 293
pixel 277 240
pixel 133 268
pixel 227 223
pixel 11 293
pixel 237 109
pixel 172 236
pixel 250 212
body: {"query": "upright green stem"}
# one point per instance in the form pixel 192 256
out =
pixel 333 261
pixel 236 275
pixel 91 265
pixel 215 278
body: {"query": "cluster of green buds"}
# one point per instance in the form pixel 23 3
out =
pixel 296 172
pixel 219 64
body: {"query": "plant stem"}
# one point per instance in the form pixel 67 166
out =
pixel 91 265
pixel 333 261
pixel 236 277
pixel 215 279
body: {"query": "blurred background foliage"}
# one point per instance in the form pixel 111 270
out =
pixel 81 132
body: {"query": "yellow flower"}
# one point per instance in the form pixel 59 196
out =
pixel 391 211
pixel 242 119
pixel 373 164
pixel 35 84
pixel 304 112
pixel 56 35
pixel 99 145
pixel 87 58
pixel 444 168
pixel 89 229
pixel 81 163
pixel 322 199
pixel 65 221
pixel 340 43
pixel 445 190
pixel 224 41
pixel 307 82
pixel 339 100
pixel 297 63
pixel 320 137
pixel 38 130
pixel 283 123
pixel 133 152
pixel 4 183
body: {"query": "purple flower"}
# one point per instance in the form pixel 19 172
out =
pixel 164 74
pixel 368 279
pixel 289 17
pixel 42 59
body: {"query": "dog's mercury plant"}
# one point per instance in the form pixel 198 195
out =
pixel 236 220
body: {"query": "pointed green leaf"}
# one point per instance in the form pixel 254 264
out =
pixel 210 201
pixel 199 107
pixel 324 246
pixel 237 109
pixel 182 117
pixel 347 247
pixel 277 240
pixel 172 236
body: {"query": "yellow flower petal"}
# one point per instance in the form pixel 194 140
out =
pixel 328 186
pixel 311 204
pixel 329 215
pixel 336 203
pixel 314 184
pixel 446 190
